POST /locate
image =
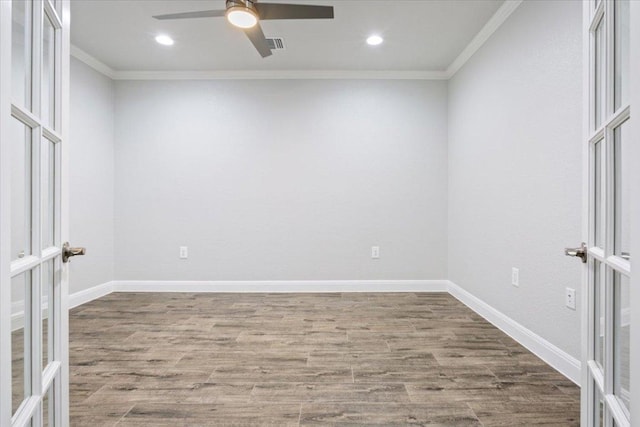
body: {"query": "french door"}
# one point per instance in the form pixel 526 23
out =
pixel 33 287
pixel 607 358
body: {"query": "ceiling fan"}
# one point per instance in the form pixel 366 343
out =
pixel 246 14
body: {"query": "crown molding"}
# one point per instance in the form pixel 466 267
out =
pixel 476 43
pixel 483 35
pixel 103 68
pixel 280 75
pixel 92 62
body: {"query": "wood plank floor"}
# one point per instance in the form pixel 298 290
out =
pixel 304 359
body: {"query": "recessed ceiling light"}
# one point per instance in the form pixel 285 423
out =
pixel 242 17
pixel 164 40
pixel 374 40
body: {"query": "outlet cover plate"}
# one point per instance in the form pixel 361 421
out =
pixel 570 298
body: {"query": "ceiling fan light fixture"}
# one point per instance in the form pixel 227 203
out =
pixel 164 40
pixel 374 40
pixel 242 17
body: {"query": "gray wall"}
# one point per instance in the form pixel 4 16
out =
pixel 281 180
pixel 277 180
pixel 515 169
pixel 91 192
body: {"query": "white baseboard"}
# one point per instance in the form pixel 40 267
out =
pixel 283 286
pixel 563 362
pixel 82 297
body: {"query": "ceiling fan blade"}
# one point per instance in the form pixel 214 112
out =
pixel 258 39
pixel 190 15
pixel 293 11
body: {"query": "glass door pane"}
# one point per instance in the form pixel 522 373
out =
pixel 621 53
pixel 21 163
pixel 622 315
pixel 21 53
pixel 20 340
pixel 599 317
pixel 48 193
pixel 598 407
pixel 598 75
pixel 48 73
pixel 598 212
pixel 622 192
pixel 47 408
pixel 48 283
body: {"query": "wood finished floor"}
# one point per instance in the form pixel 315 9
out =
pixel 304 359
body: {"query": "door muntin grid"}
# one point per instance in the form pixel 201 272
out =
pixel 39 264
pixel 607 391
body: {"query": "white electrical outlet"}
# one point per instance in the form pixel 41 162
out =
pixel 570 298
pixel 184 252
pixel 375 252
pixel 515 277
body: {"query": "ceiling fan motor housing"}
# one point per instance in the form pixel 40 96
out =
pixel 248 4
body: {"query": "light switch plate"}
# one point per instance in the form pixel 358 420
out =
pixel 375 252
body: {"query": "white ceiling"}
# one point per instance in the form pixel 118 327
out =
pixel 420 35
